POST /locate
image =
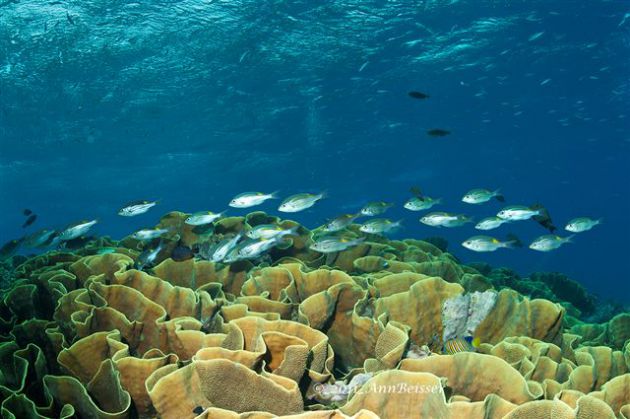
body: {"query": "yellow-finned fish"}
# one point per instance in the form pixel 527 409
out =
pixel 456 345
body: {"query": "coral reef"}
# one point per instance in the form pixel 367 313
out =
pixel 298 334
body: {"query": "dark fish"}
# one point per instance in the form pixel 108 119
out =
pixel 198 410
pixel 27 212
pixel 437 132
pixel 516 242
pixel 203 229
pixel 544 219
pixel 9 248
pixel 30 220
pixel 416 192
pixel 182 253
pixel 418 95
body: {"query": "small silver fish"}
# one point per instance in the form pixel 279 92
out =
pixel 149 233
pixel 549 242
pixel 250 199
pixel 581 224
pixel 518 212
pixel 136 208
pixel 299 202
pixel 379 225
pixel 269 231
pixel 39 238
pixel 418 204
pixel 224 247
pixel 444 219
pixel 339 223
pixel 487 244
pixel 375 208
pixel 203 218
pixel 334 244
pixel 76 230
pixel 233 255
pixel 148 257
pixel 479 196
pixel 490 223
pixel 256 248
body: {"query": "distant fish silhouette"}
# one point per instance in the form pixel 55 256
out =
pixel 30 220
pixel 437 132
pixel 9 248
pixel 418 95
pixel 182 253
pixel 415 191
pixel 544 219
pixel 27 212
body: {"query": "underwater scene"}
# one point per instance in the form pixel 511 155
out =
pixel 305 209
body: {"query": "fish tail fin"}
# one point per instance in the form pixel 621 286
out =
pixel 513 241
pixel 599 221
pixel 323 194
pixel 569 239
pixel 274 195
pixel 498 195
pixel 540 209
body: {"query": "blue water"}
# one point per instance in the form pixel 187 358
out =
pixel 192 102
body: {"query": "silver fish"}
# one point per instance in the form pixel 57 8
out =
pixel 269 231
pixel 518 212
pixel 136 208
pixel 149 233
pixel 254 249
pixel 487 244
pixel 203 218
pixel 444 219
pixel 39 238
pixel 418 204
pixel 376 208
pixel 224 247
pixel 379 225
pixel 76 230
pixel 339 223
pixel 479 196
pixel 148 257
pixel 490 223
pixel 581 224
pixel 250 199
pixel 299 202
pixel 334 244
pixel 233 255
pixel 549 242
